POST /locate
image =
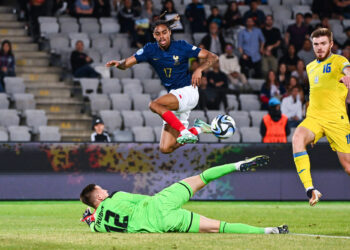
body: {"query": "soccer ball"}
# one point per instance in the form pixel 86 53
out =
pixel 223 126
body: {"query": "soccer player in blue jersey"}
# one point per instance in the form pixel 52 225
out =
pixel 170 58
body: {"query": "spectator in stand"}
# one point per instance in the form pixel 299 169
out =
pixel 84 8
pixel 306 53
pixel 290 58
pixel 347 42
pixel 293 81
pixel 7 62
pixel 99 135
pixel 37 8
pixel 308 23
pixel 296 33
pixel 300 73
pixel 272 43
pixel 149 10
pixel 215 17
pixel 232 17
pixel 169 7
pixel 257 15
pixel 251 44
pixel 271 88
pixel 171 12
pixel 80 62
pixel 195 14
pixel 342 8
pixel 140 37
pixel 336 48
pixel 229 64
pixel 214 41
pixel 217 82
pixel 207 97
pixel 126 17
pixel 23 10
pixel 322 8
pixel 102 8
pixel 346 52
pixel 61 7
pixel 324 23
pixel 274 127
pixel 292 107
pixel 283 74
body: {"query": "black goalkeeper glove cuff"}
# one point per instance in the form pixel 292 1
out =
pixel 309 192
pixel 88 217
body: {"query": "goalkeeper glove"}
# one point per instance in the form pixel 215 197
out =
pixel 88 217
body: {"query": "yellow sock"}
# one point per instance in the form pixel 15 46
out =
pixel 302 162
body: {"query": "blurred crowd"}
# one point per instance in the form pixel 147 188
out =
pixel 249 44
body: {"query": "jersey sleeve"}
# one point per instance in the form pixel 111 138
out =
pixel 92 227
pixel 191 50
pixel 343 63
pixel 142 55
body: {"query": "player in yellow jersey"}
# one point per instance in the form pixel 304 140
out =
pixel 329 78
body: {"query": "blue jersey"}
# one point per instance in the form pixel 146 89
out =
pixel 172 64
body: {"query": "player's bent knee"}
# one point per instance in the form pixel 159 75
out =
pixel 298 141
pixel 347 168
pixel 152 105
pixel 166 150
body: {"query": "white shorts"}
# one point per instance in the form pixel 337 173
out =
pixel 188 99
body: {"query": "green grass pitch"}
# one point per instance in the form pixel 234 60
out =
pixel 51 225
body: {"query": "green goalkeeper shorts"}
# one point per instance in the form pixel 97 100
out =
pixel 163 212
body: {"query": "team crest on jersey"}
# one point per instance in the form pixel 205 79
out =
pixel 139 52
pixel 176 60
pixel 316 79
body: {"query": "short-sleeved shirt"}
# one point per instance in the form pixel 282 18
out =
pixel 272 36
pixel 297 35
pixel 172 64
pixel 327 94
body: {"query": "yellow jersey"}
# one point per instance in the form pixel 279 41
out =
pixel 327 94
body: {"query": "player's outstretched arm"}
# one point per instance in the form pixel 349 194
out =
pixel 122 64
pixel 208 60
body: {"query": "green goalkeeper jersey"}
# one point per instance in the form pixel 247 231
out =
pixel 162 212
pixel 115 212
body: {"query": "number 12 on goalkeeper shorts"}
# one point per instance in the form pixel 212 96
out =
pixel 348 138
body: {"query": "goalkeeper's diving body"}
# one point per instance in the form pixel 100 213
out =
pixel 163 212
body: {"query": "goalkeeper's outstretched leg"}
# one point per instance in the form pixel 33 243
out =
pixel 207 225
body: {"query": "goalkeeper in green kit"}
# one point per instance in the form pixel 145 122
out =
pixel 162 212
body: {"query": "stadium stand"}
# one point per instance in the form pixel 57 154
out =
pixel 49 133
pixel 124 94
pixel 121 101
pixel 143 134
pixel 34 119
pixel 4 102
pixel 3 135
pixel 19 133
pixel 112 119
pixel 250 134
pixel 123 136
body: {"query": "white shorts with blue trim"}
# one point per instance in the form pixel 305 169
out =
pixel 188 99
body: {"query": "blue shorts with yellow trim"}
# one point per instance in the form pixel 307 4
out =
pixel 338 134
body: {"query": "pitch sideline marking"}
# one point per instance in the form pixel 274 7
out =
pixel 324 236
